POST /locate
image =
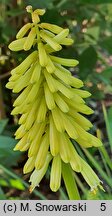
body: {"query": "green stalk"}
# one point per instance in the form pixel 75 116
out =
pixel 63 196
pixel 80 184
pixel 70 183
pixel 107 125
pixel 105 165
pixel 106 156
pixel 13 175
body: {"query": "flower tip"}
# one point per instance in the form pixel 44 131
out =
pixel 101 187
pixel 76 62
pixel 31 189
pixel 15 148
pixel 54 188
pixel 40 12
pixel 29 9
pixel 9 46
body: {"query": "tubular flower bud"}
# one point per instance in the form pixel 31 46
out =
pixel 51 105
pixel 22 68
pixel 37 175
pixel 17 45
pixel 67 41
pixel 65 152
pixel 50 66
pixel 55 178
pixel 50 81
pixel 30 39
pixel 54 138
pixel 61 103
pixel 30 164
pixel 90 176
pixel 36 73
pixel 63 34
pixel 42 55
pixel 65 62
pixel 23 30
pixel 49 97
pixel 50 41
pixel 53 28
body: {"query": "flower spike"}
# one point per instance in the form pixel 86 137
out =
pixel 51 105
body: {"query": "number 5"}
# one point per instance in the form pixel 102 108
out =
pixel 103 206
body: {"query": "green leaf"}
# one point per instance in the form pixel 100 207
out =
pixel 3 182
pixel 87 61
pixel 70 183
pixel 108 122
pixel 7 156
pixel 110 117
pixel 2 195
pixel 106 76
pixel 16 183
pixel 92 34
pixel 107 44
pixel 3 124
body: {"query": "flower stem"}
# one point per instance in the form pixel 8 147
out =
pixel 107 125
pixel 70 183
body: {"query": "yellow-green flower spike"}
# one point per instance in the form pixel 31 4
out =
pixel 51 105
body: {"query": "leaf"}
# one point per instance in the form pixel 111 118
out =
pixel 16 183
pixel 92 34
pixel 108 122
pixel 3 124
pixel 7 156
pixel 70 183
pixel 107 44
pixel 2 195
pixel 87 62
pixel 106 76
pixel 110 118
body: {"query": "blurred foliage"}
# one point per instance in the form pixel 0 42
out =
pixel 90 24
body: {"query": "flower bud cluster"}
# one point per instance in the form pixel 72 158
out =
pixel 51 104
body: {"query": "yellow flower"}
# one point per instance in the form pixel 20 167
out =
pixel 37 175
pixel 91 178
